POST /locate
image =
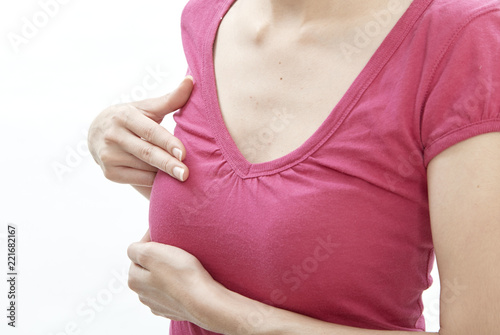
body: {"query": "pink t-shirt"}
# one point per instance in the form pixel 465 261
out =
pixel 338 229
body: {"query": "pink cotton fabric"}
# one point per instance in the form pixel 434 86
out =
pixel 338 229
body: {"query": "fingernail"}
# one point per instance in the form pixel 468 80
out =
pixel 179 173
pixel 177 153
pixel 190 77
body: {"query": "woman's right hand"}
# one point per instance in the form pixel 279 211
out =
pixel 130 145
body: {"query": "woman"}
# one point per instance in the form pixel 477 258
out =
pixel 332 148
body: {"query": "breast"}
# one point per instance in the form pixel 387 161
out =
pixel 327 249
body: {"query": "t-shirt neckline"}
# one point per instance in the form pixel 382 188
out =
pixel 232 154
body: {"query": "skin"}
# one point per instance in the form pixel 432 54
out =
pixel 285 36
pixel 463 181
pixel 128 143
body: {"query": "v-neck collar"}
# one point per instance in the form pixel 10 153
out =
pixel 234 157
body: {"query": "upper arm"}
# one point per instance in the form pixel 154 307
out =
pixel 464 200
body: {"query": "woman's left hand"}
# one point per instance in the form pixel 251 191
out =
pixel 170 281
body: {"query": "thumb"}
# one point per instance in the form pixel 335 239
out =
pixel 157 108
pixel 146 237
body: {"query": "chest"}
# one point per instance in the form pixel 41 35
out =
pixel 277 86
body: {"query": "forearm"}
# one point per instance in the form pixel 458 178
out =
pixel 236 314
pixel 145 191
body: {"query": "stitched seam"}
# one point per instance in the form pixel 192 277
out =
pixel 460 129
pixel 206 44
pixel 444 52
pixel 354 100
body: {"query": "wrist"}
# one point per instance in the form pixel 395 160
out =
pixel 229 313
pixel 212 306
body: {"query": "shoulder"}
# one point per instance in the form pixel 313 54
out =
pixel 456 12
pixel 199 18
pixel 445 20
pixel 451 32
pixel 460 44
pixel 197 13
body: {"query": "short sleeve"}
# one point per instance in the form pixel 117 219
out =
pixel 463 98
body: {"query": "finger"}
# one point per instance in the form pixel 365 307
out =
pixel 120 158
pixel 156 157
pixel 137 277
pixel 130 161
pixel 160 309
pixel 138 254
pixel 151 303
pixel 157 108
pixel 126 175
pixel 152 132
pixel 145 254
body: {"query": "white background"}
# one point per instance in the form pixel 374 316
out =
pixel 74 226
